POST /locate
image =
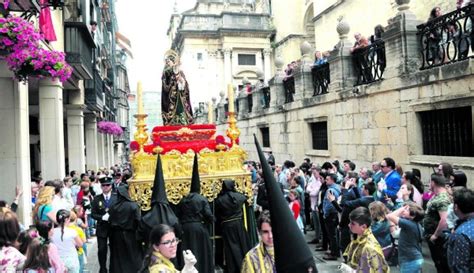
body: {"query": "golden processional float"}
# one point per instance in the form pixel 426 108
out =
pixel 218 159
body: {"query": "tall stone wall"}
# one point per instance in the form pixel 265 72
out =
pixel 368 122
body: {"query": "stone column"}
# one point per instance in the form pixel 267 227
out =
pixel 340 61
pixel 75 137
pixel 227 68
pixel 220 109
pixel 92 151
pixel 243 106
pixel 101 149
pixel 277 92
pixel 267 64
pixel 106 151
pixel 257 99
pixel 51 129
pixel 111 150
pixel 15 143
pixel 402 46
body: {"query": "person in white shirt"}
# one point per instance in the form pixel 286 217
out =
pixel 67 193
pixel 313 187
pixel 66 240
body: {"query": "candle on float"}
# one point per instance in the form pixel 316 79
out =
pixel 209 113
pixel 139 98
pixel 230 96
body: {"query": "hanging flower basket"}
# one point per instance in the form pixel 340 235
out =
pixel 109 127
pixel 20 42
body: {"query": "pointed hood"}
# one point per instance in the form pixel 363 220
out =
pixel 195 180
pixel 160 212
pixel 158 194
pixel 292 254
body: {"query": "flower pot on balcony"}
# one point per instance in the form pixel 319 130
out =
pixel 27 70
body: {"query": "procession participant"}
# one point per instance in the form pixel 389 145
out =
pixel 160 212
pixel 100 212
pixel 163 248
pixel 194 214
pixel 292 254
pixel 125 251
pixel 261 258
pixel 228 208
pixel 364 254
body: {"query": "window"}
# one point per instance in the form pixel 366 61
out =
pixel 447 132
pixel 265 131
pixel 247 59
pixel 319 135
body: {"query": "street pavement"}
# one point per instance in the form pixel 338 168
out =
pixel 322 265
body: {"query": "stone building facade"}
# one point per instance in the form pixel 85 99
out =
pixel 51 127
pixel 221 43
pixel 367 122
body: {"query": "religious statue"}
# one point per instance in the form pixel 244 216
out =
pixel 175 103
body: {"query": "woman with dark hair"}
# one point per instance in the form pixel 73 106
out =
pixel 44 232
pixel 66 239
pixel 408 219
pixel 163 247
pixel 434 39
pixel 418 188
pixel 459 179
pixel 24 239
pixel 37 260
pixel 445 169
pixel 11 259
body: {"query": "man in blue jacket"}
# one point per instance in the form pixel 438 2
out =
pixel 391 177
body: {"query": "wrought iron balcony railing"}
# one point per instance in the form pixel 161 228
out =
pixel 448 38
pixel 369 62
pixel 321 79
pixel 95 92
pixel 79 45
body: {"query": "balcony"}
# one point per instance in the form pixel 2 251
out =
pixel 321 79
pixel 226 21
pixel 95 93
pixel 79 45
pixel 369 63
pixel 447 39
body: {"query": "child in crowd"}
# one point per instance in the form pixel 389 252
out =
pixel 67 239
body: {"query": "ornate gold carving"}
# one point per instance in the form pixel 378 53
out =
pixel 185 131
pixel 233 132
pixel 214 167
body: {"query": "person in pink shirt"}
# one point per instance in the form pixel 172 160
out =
pixel 312 188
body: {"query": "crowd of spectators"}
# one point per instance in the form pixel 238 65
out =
pixel 62 223
pixel 382 209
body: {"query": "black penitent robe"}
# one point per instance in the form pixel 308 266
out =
pixel 194 214
pixel 125 250
pixel 176 106
pixel 236 243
